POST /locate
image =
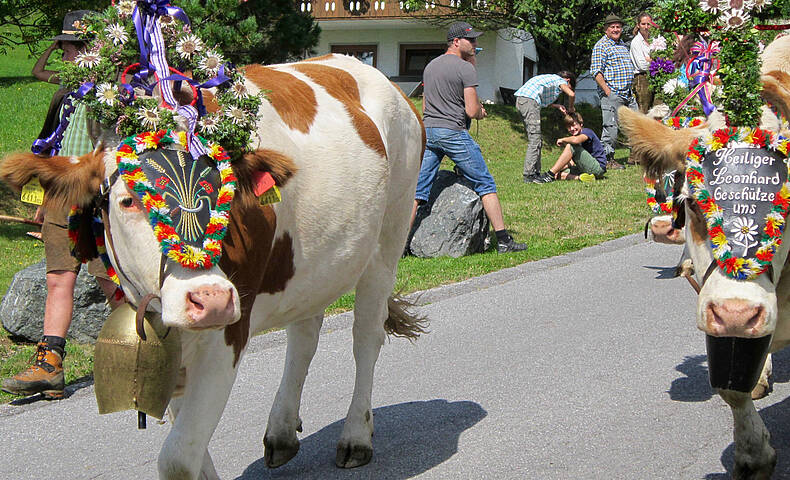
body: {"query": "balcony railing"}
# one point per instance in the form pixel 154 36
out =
pixel 341 9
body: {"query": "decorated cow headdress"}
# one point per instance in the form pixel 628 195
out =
pixel 737 175
pixel 172 156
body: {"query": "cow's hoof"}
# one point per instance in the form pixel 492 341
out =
pixel 277 453
pixel 350 456
pixel 760 391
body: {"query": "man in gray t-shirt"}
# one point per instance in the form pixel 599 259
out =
pixel 450 86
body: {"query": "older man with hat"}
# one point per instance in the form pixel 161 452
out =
pixel 450 86
pixel 613 71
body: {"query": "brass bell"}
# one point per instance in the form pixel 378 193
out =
pixel 131 372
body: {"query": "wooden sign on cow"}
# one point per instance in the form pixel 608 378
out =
pixel 744 181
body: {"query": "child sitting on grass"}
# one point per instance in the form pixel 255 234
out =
pixel 583 157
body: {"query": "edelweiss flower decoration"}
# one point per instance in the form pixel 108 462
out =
pixel 734 19
pixel 711 6
pixel 107 94
pixel 125 7
pixel 189 45
pixel 88 59
pixel 744 229
pixel 236 114
pixel 117 34
pixel 760 4
pixel 239 90
pixel 149 117
pixel 211 62
pixel 208 124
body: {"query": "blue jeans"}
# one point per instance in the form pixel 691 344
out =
pixel 461 148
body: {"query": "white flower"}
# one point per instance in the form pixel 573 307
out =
pixel 709 5
pixel 658 43
pixel 107 94
pixel 116 33
pixel 744 229
pixel 208 124
pixel 671 86
pixel 237 115
pixel 735 4
pixel 239 90
pixel 125 7
pixel 734 19
pixel 211 62
pixel 188 46
pixel 88 59
pixel 149 117
pixel 760 4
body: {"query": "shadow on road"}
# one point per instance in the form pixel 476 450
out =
pixel 695 386
pixel 663 273
pixel 410 438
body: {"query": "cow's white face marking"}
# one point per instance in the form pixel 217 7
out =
pixel 195 299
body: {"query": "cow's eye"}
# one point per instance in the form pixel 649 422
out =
pixel 127 202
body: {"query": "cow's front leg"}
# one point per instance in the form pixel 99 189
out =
pixel 755 459
pixel 209 377
pixel 280 442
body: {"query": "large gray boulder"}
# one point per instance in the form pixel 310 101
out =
pixel 22 308
pixel 452 222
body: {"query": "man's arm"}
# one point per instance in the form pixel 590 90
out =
pixel 39 69
pixel 472 105
pixel 602 83
pixel 570 94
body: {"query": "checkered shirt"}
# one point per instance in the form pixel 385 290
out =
pixel 75 139
pixel 613 60
pixel 544 89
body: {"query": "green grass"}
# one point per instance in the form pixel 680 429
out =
pixel 553 218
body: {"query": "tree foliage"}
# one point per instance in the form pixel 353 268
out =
pixel 247 31
pixel 564 30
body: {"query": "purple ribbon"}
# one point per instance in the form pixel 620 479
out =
pixel 196 147
pixel 146 15
pixel 51 144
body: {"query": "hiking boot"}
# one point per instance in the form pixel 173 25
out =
pixel 510 245
pixel 548 177
pixel 587 177
pixel 44 376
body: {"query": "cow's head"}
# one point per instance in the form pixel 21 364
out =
pixel 139 244
pixel 734 211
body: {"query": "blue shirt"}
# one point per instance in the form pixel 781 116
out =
pixel 613 60
pixel 544 89
pixel 594 147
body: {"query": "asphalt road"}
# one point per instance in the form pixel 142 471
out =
pixel 583 366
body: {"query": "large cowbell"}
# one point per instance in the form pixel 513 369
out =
pixel 743 181
pixel 188 186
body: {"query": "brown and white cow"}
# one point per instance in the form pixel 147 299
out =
pixel 345 145
pixel 728 308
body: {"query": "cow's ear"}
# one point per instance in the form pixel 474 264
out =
pixel 776 90
pixel 67 181
pixel 280 166
pixel 659 147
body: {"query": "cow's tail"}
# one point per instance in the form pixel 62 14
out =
pixel 401 322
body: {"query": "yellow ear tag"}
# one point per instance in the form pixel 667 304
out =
pixel 271 195
pixel 32 192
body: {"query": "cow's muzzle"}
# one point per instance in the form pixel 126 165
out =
pixel 209 306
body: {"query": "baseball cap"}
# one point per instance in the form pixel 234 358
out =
pixel 462 30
